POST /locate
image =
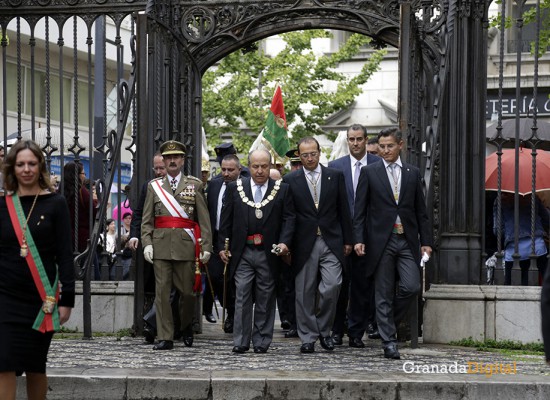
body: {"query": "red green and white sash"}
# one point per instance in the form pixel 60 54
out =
pixel 48 316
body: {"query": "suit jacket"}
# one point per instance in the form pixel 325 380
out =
pixel 212 194
pixel 278 221
pixel 175 244
pixel 376 211
pixel 332 218
pixel 344 164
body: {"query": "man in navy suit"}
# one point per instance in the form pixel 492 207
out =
pixel 230 172
pixel 357 286
pixel 391 226
pixel 322 239
pixel 258 218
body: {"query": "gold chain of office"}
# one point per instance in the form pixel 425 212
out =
pixel 265 201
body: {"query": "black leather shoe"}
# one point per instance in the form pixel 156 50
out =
pixel 337 339
pixel 307 348
pixel 149 334
pixel 291 333
pixel 260 349
pixel 228 325
pixel 239 349
pixel 285 325
pixel 390 351
pixel 374 335
pixel 326 343
pixel 210 318
pixel 188 339
pixel 164 345
pixel 356 342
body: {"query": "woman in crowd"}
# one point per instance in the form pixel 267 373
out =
pixel 37 285
pixel 78 199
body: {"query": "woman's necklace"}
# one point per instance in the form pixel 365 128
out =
pixel 24 251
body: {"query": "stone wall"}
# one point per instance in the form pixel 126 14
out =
pixel 112 306
pixel 454 312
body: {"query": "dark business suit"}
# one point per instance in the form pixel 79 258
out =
pixel 254 266
pixel 357 287
pixel 313 253
pixel 389 254
pixel 216 265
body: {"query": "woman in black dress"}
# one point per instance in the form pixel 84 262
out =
pixel 37 284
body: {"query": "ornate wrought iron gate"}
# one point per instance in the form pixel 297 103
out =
pixel 172 43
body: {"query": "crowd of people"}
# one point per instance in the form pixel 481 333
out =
pixel 298 242
pixel 337 248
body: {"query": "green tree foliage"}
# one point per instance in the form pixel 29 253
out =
pixel 237 92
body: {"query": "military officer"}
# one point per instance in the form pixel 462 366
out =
pixel 175 217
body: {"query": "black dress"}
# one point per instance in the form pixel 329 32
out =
pixel 23 349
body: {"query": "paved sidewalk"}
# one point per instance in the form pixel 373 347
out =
pixel 108 368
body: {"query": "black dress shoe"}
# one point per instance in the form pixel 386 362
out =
pixel 337 339
pixel 326 343
pixel 356 342
pixel 210 318
pixel 239 349
pixel 374 335
pixel 149 334
pixel 390 351
pixel 260 349
pixel 291 333
pixel 164 345
pixel 307 348
pixel 228 325
pixel 285 324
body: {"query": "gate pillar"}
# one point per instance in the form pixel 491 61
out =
pixel 462 151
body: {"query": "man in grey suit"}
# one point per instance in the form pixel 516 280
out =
pixel 358 287
pixel 322 238
pixel 391 226
pixel 258 218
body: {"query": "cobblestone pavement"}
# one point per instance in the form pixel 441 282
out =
pixel 212 352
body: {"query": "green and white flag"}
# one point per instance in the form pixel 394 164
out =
pixel 275 130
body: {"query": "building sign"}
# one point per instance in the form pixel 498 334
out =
pixel 526 103
pixel 125 168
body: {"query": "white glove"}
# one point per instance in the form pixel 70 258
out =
pixel 204 257
pixel 425 258
pixel 148 253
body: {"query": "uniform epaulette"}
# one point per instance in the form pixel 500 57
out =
pixel 156 179
pixel 193 178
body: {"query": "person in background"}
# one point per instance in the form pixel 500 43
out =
pixel 109 240
pixel 35 254
pixel 126 253
pixel 225 149
pixel 524 235
pixel 294 159
pixel 1 175
pixel 215 196
pixel 205 173
pixel 357 294
pixel 372 146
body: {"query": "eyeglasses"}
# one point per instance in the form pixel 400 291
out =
pixel 305 156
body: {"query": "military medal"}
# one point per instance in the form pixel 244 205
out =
pixel 258 206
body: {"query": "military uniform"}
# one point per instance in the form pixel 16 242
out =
pixel 174 251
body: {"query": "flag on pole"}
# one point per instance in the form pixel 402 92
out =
pixel 275 130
